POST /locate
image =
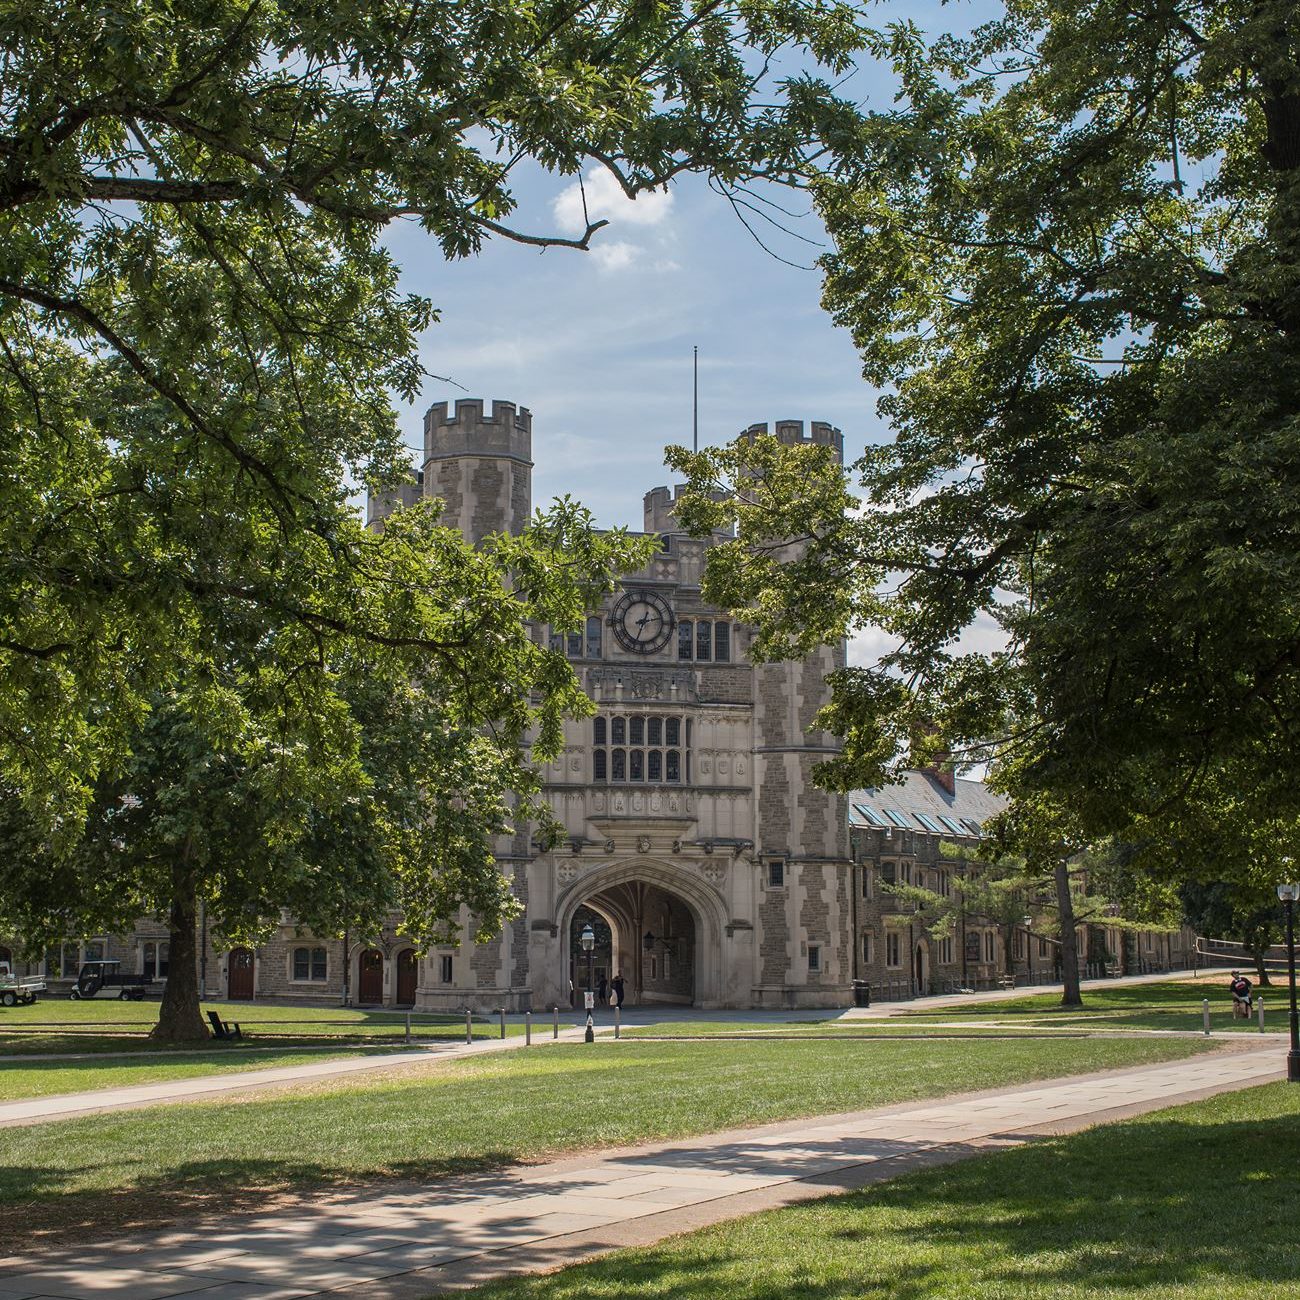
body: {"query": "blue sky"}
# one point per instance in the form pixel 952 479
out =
pixel 598 345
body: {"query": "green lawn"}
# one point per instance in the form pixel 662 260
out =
pixel 26 1078
pixel 843 1029
pixel 1197 1202
pixel 1173 1004
pixel 107 1025
pixel 473 1113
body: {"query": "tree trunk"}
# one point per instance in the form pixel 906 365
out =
pixel 1261 970
pixel 180 1019
pixel 1071 997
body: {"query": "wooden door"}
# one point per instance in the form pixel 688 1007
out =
pixel 370 979
pixel 239 974
pixel 407 977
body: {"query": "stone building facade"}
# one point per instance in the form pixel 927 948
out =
pixel 694 831
pixel 711 868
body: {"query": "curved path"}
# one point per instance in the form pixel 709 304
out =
pixel 415 1241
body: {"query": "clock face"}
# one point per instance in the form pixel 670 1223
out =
pixel 643 622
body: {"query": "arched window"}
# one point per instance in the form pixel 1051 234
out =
pixel 654 763
pixel 619 772
pixel 618 730
pixel 598 731
pixel 685 640
pixel 722 642
pixel 638 765
pixel 655 731
pixel 703 640
pixel 598 765
pixel 637 732
pixel 593 638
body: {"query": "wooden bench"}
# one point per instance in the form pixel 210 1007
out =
pixel 223 1028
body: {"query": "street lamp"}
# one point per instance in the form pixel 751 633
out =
pixel 1029 951
pixel 1288 894
pixel 588 941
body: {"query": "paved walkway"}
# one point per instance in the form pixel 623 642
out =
pixel 416 1241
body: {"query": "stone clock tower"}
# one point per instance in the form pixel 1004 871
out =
pixel 712 870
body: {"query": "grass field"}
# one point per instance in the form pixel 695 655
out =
pixel 107 1025
pixel 479 1112
pixel 1175 1004
pixel 1197 1202
pixel 28 1078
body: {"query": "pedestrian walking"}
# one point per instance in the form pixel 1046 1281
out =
pixel 602 990
pixel 617 985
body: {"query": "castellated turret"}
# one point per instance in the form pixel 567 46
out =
pixel 480 465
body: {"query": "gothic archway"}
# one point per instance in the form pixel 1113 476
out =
pixel 666 925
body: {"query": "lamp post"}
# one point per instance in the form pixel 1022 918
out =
pixel 1029 951
pixel 1288 894
pixel 588 941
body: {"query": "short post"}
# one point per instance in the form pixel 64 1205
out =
pixel 1261 1015
pixel 469 1025
pixel 1205 1014
pixel 408 1029
pixel 555 1013
pixel 618 1017
pixel 528 1028
pixel 503 1022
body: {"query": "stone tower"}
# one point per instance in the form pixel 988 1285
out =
pixel 802 835
pixel 480 465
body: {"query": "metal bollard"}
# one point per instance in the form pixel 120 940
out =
pixel 1261 1015
pixel 408 1029
pixel 469 1025
pixel 555 1011
pixel 1205 1014
pixel 528 1028
pixel 618 1019
pixel 503 1022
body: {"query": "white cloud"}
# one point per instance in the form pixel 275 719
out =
pixel 616 256
pixel 606 202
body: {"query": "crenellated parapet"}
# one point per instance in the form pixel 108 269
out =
pixel 793 433
pixel 465 430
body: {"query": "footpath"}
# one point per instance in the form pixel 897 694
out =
pixel 411 1242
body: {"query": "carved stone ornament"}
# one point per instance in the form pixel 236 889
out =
pixel 643 844
pixel 712 872
pixel 566 872
pixel 609 846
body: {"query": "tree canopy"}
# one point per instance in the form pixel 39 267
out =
pixel 201 334
pixel 1070 256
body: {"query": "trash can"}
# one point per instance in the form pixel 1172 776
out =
pixel 861 993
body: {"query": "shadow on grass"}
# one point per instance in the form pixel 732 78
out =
pixel 1135 1209
pixel 54 1216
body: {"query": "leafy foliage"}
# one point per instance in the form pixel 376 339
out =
pixel 1069 255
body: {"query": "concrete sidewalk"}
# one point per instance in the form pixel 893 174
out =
pixel 416 1241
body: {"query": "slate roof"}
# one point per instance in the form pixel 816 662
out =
pixel 920 792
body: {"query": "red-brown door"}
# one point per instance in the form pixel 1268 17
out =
pixel 239 972
pixel 370 980
pixel 407 977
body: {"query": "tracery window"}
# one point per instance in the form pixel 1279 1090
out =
pixel 644 748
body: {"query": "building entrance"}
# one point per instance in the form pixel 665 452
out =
pixel 645 933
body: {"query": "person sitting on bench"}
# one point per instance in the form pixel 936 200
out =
pixel 1242 991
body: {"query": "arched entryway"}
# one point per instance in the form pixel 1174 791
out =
pixel 370 976
pixel 239 974
pixel 664 928
pixel 922 968
pixel 408 976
